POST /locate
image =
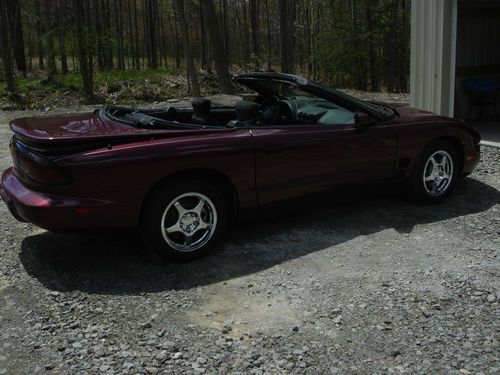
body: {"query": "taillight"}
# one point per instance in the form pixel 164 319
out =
pixel 34 168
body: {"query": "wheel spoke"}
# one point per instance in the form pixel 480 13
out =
pixel 180 209
pixel 444 162
pixel 202 225
pixel 188 240
pixel 433 185
pixel 174 228
pixel 434 163
pixel 199 207
pixel 429 178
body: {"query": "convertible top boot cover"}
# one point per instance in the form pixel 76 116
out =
pixel 202 115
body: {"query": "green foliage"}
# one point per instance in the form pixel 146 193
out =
pixel 114 86
pixel 366 45
pixel 115 76
pixel 361 44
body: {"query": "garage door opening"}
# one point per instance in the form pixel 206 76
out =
pixel 477 73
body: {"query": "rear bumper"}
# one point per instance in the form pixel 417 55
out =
pixel 54 212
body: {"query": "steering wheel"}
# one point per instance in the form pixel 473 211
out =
pixel 270 101
pixel 284 112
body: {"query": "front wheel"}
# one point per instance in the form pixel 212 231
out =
pixel 434 174
pixel 183 220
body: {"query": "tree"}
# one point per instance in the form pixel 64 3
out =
pixel 6 48
pixel 150 23
pixel 254 27
pixel 39 32
pixel 85 57
pixel 220 58
pixel 49 43
pixel 345 43
pixel 191 70
pixel 18 37
pixel 286 35
pixel 62 38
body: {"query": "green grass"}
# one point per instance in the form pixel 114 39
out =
pixel 142 85
pixel 113 76
pixel 100 78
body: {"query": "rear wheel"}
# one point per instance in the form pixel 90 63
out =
pixel 183 220
pixel 434 174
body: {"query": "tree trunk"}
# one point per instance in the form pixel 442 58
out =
pixel 18 37
pixel 130 34
pixel 269 46
pixel 392 50
pixel 62 39
pixel 203 39
pixel 6 48
pixel 137 63
pixel 225 32
pixel 150 33
pixel 286 38
pixel 84 53
pixel 191 70
pixel 163 36
pixel 39 32
pixel 98 14
pixel 254 27
pixel 176 39
pixel 372 56
pixel 220 58
pixel 118 10
pixel 49 43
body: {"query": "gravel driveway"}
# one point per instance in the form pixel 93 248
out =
pixel 374 285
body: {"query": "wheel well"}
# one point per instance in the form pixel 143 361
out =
pixel 457 145
pixel 215 177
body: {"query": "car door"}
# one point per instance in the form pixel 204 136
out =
pixel 299 159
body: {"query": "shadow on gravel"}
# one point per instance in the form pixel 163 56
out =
pixel 118 264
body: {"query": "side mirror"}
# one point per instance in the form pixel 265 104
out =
pixel 362 120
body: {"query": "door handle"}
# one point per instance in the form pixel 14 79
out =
pixel 272 149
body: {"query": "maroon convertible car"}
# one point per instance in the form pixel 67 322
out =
pixel 183 174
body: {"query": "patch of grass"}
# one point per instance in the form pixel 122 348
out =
pixel 113 76
pixel 114 86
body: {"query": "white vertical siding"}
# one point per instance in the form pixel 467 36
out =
pixel 433 45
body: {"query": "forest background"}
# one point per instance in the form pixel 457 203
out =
pixel 65 52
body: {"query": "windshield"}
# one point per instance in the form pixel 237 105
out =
pixel 287 90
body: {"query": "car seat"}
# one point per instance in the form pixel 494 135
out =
pixel 247 113
pixel 202 115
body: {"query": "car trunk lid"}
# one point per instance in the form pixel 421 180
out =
pixel 74 128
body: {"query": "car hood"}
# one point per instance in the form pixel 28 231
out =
pixel 75 128
pixel 408 114
pixel 412 116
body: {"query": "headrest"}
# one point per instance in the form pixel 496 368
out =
pixel 247 111
pixel 201 105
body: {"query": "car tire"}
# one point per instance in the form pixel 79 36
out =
pixel 183 220
pixel 434 174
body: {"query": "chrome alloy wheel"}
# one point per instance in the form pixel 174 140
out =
pixel 438 173
pixel 189 221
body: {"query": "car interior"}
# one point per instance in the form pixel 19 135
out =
pixel 286 106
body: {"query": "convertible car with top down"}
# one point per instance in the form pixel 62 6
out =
pixel 182 175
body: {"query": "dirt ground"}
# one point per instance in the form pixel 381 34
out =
pixel 372 285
